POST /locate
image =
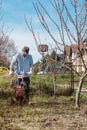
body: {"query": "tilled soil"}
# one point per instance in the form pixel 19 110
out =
pixel 43 116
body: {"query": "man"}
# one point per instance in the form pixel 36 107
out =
pixel 24 64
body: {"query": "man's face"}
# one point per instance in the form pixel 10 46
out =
pixel 24 53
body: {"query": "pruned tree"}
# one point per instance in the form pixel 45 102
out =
pixel 71 26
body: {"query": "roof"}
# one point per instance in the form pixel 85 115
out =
pixel 74 48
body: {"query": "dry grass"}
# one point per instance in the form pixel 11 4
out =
pixel 50 114
pixel 44 112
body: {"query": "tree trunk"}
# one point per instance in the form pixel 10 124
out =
pixel 54 84
pixel 78 92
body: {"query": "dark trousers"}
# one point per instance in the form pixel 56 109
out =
pixel 27 80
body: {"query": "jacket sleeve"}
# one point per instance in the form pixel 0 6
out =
pixel 13 62
pixel 31 63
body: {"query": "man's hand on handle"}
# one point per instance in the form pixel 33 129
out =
pixel 12 73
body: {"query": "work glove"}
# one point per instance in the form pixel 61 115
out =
pixel 11 72
pixel 29 73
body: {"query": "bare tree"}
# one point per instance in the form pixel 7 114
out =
pixel 71 27
pixel 7 46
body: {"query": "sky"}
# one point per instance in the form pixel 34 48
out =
pixel 13 18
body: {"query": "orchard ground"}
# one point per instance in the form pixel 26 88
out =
pixel 45 111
